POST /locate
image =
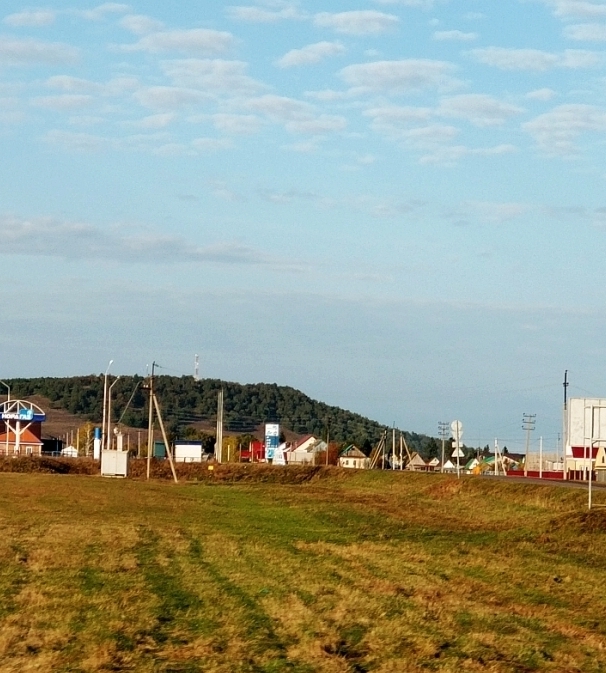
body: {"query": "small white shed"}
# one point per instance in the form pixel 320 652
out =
pixel 188 452
pixel 114 463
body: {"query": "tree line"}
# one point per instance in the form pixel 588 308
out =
pixel 186 402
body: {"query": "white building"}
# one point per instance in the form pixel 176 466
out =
pixel 352 457
pixel 188 452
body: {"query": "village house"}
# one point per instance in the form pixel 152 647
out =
pixel 416 463
pixel 304 451
pixel 352 457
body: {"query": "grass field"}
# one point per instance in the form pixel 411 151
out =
pixel 359 572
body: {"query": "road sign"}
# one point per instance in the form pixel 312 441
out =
pixel 457 429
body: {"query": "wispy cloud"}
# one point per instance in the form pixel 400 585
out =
pixel 535 59
pixel 198 41
pixel 251 14
pixel 52 237
pixel 102 11
pixel 212 76
pixel 478 109
pixel 31 19
pixel 29 51
pixel 454 35
pixel 312 53
pixel 140 24
pixel 401 76
pixel 577 8
pixel 357 22
pixel 586 32
pixel 557 131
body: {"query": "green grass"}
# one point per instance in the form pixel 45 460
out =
pixel 358 572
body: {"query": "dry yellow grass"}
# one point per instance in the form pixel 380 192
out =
pixel 364 572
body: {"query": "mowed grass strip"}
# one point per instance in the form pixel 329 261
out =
pixel 364 572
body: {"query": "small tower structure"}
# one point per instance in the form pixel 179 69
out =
pixel 21 428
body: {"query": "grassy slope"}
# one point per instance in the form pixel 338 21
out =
pixel 366 572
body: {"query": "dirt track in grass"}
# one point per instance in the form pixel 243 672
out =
pixel 340 572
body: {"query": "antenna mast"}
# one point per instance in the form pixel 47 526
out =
pixel 196 368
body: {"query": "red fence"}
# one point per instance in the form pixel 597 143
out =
pixel 534 474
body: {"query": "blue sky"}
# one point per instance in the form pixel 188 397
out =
pixel 396 206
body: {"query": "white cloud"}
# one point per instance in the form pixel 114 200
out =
pixel 423 4
pixel 99 13
pixel 578 58
pixel 457 35
pixel 516 59
pixel 139 24
pixel 577 8
pixel 312 53
pixel 10 112
pixel 478 109
pixel 169 97
pixel 213 76
pixel 555 132
pixel 14 51
pixel 587 32
pixel 357 22
pixel 488 212
pixel 53 237
pixel 393 120
pixel 71 84
pixel 157 121
pixel 541 94
pixel 260 15
pixel 79 142
pixel 452 154
pixel 76 85
pixel 327 95
pixel 534 59
pixel 206 145
pixel 234 124
pixel 297 116
pixel 280 108
pixel 66 102
pixel 31 19
pixel 194 41
pixel 400 76
pixel 317 125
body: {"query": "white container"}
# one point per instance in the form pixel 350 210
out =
pixel 114 463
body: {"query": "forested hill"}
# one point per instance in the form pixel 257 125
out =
pixel 186 401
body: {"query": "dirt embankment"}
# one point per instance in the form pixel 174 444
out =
pixel 160 469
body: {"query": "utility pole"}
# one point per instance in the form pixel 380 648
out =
pixel 393 447
pixel 565 423
pixel 196 368
pixel 327 437
pixel 219 438
pixel 443 430
pixel 528 423
pixel 153 403
pixel 103 435
pixel 150 421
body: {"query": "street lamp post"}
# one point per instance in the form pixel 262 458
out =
pixel 109 414
pixel 9 390
pixel 103 437
pixel 8 399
